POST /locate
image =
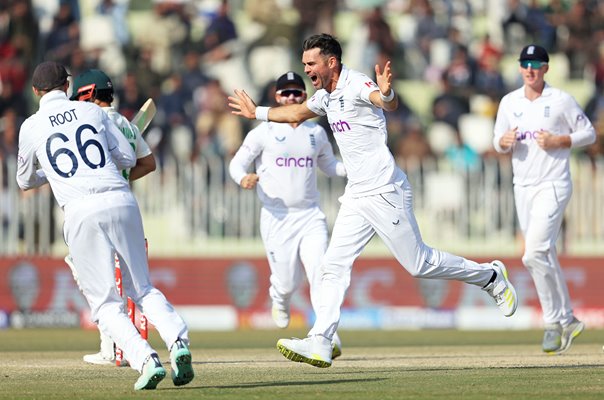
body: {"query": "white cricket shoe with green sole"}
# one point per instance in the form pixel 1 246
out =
pixel 502 290
pixel 153 373
pixel 314 350
pixel 569 333
pixel 180 360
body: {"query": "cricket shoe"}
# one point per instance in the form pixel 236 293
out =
pixel 280 315
pixel 99 359
pixel 152 373
pixel 502 290
pixel 569 333
pixel 180 360
pixel 552 338
pixel 336 347
pixel 314 350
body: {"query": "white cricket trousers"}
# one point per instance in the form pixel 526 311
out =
pixel 540 211
pixel 390 215
pixel 294 241
pixel 96 228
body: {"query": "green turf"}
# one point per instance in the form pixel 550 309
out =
pixel 46 364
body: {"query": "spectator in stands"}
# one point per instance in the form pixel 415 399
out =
pixel 117 11
pixel 489 80
pixel 192 76
pixel 412 148
pixel 129 96
pixel 174 120
pixel 218 38
pixel 515 23
pixel 427 29
pixel 449 106
pixel 595 112
pixel 147 76
pixel 9 131
pixel 218 133
pixel 64 36
pixel 461 72
pixel 23 31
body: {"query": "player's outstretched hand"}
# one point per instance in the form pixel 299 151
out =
pixel 242 104
pixel 384 78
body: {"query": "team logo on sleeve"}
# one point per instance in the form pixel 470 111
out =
pixel 341 100
pixel 546 112
pixel 313 141
pixel 370 84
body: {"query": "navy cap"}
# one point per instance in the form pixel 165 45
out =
pixel 49 75
pixel 532 52
pixel 289 78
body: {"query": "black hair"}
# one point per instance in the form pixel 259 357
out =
pixel 328 45
pixel 105 95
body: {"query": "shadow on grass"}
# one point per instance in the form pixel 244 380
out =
pixel 253 385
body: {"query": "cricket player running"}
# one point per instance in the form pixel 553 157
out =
pixel 96 87
pixel 540 125
pixel 80 151
pixel 378 197
pixel 293 227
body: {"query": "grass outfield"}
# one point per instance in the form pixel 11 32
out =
pixel 47 364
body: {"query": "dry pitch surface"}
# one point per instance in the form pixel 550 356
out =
pixel 46 364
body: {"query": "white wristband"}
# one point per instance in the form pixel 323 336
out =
pixel 262 113
pixel 386 99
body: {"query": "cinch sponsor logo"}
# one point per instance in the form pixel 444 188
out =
pixel 340 126
pixel 526 135
pixel 302 162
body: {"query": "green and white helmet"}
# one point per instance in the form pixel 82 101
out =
pixel 92 84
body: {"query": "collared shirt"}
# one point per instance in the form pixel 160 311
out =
pixel 76 146
pixel 286 161
pixel 359 128
pixel 554 111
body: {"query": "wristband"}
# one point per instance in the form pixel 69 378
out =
pixel 262 113
pixel 386 99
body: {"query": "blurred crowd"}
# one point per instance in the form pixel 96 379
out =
pixel 188 55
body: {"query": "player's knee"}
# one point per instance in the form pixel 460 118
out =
pixel 533 258
pixel 105 310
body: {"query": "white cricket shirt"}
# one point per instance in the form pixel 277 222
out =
pixel 555 111
pixel 78 148
pixel 131 133
pixel 360 131
pixel 286 161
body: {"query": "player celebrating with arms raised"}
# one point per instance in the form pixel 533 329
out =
pixel 540 125
pixel 80 151
pixel 378 197
pixel 293 227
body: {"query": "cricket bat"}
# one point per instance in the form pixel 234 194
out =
pixel 143 117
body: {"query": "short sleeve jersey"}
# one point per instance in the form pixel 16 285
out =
pixel 359 128
pixel 286 161
pixel 554 111
pixel 71 142
pixel 131 133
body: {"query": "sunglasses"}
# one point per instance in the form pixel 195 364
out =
pixel 532 63
pixel 289 92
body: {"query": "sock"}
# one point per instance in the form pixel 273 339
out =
pixel 491 280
